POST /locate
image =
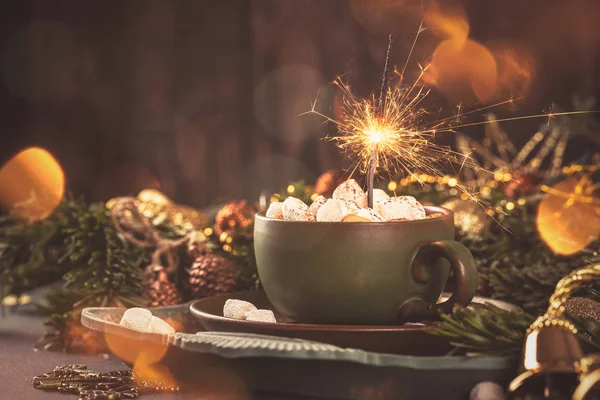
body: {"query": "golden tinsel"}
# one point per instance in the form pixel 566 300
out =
pixel 327 182
pixel 211 275
pixel 159 290
pixel 232 216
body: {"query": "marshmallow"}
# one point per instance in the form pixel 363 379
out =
pixel 332 211
pixel 157 325
pixel 261 316
pixel 352 206
pixel 351 191
pixel 137 319
pixel 402 207
pixel 275 210
pixel 295 210
pixel 370 215
pixel 237 309
pixel 379 197
pixel 355 218
pixel 314 207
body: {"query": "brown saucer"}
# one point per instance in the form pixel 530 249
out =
pixel 406 340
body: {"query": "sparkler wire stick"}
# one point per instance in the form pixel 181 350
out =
pixel 380 104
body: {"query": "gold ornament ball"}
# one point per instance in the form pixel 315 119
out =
pixel 234 215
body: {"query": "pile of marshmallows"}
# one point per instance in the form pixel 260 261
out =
pixel 142 320
pixel 349 204
pixel 240 309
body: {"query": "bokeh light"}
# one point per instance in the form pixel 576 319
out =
pixel 569 218
pixel 32 184
pixel 449 23
pixel 469 71
pixel 132 351
pixel 459 69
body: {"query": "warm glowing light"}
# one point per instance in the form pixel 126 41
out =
pixel 568 217
pixel 530 359
pixel 374 136
pixel 291 189
pixel 396 134
pixel 510 206
pixel 314 196
pixel 31 184
pixel 208 231
pixel 154 196
pixel 392 186
pixel 132 351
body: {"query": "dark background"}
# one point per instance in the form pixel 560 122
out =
pixel 201 98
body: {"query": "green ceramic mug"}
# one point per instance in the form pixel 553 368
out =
pixel 362 272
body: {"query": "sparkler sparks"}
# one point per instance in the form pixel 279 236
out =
pixel 397 134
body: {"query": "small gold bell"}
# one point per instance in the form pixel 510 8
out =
pixel 553 361
pixel 550 364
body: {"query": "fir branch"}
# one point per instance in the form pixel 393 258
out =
pixel 484 329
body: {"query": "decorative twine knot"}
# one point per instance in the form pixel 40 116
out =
pixel 137 229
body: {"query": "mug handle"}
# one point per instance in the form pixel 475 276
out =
pixel 462 263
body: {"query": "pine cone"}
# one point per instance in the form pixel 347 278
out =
pixel 162 293
pixel 211 275
pixel 159 290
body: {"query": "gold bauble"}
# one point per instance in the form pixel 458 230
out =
pixel 232 216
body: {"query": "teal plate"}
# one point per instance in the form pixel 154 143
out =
pixel 236 365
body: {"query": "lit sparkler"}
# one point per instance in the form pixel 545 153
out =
pixel 392 131
pixel 396 131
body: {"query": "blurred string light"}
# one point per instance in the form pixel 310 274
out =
pixel 32 185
